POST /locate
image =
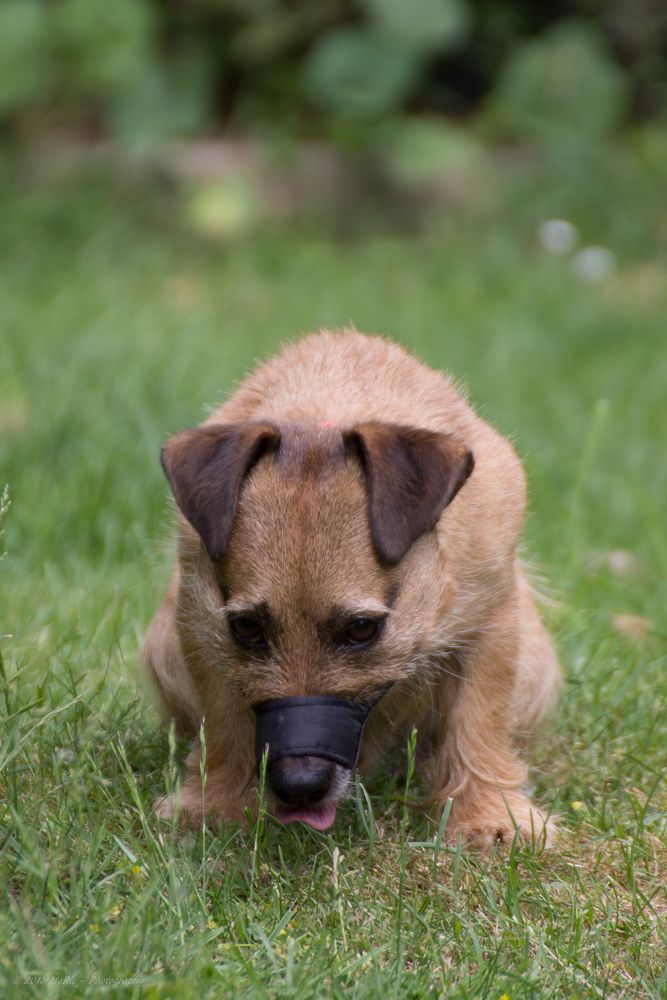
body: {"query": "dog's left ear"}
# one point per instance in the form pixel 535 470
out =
pixel 413 474
pixel 206 467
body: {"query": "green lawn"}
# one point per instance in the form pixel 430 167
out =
pixel 120 326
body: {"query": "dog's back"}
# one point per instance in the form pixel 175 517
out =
pixel 347 377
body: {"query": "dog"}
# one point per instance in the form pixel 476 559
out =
pixel 347 570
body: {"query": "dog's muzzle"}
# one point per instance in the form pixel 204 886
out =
pixel 311 726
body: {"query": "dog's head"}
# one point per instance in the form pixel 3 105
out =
pixel 315 570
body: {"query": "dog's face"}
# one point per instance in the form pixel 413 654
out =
pixel 309 581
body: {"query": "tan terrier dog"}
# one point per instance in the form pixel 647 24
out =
pixel 348 534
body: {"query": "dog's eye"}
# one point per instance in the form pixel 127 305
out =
pixel 361 631
pixel 247 631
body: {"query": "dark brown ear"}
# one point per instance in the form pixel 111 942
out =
pixel 206 467
pixel 412 475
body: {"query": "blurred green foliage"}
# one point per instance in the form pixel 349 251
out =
pixel 150 69
pixel 371 68
pixel 562 85
pixel 23 44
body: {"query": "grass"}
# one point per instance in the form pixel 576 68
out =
pixel 118 325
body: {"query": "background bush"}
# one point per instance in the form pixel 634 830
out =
pixel 150 69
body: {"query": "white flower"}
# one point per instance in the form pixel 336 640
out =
pixel 593 264
pixel 558 236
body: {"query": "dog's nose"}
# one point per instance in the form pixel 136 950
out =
pixel 300 780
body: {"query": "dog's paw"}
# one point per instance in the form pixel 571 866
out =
pixel 171 808
pixel 163 807
pixel 187 807
pixel 184 806
pixel 500 823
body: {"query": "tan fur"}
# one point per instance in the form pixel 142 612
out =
pixel 472 665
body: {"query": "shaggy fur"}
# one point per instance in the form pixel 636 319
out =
pixel 339 475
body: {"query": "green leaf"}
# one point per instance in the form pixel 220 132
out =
pixel 23 37
pixel 166 101
pixel 361 74
pixel 561 87
pixel 106 44
pixel 425 24
pixel 426 149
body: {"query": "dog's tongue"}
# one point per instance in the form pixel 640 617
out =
pixel 319 817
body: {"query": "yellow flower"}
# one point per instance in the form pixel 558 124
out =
pixel 577 806
pixel 136 869
pixel 505 996
pixel 95 928
pixel 211 924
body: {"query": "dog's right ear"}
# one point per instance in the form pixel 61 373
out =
pixel 206 467
pixel 413 474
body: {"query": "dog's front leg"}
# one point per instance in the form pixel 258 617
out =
pixel 163 658
pixel 222 782
pixel 474 761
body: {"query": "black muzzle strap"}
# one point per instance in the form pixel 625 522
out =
pixel 311 726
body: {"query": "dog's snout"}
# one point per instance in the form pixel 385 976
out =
pixel 301 780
